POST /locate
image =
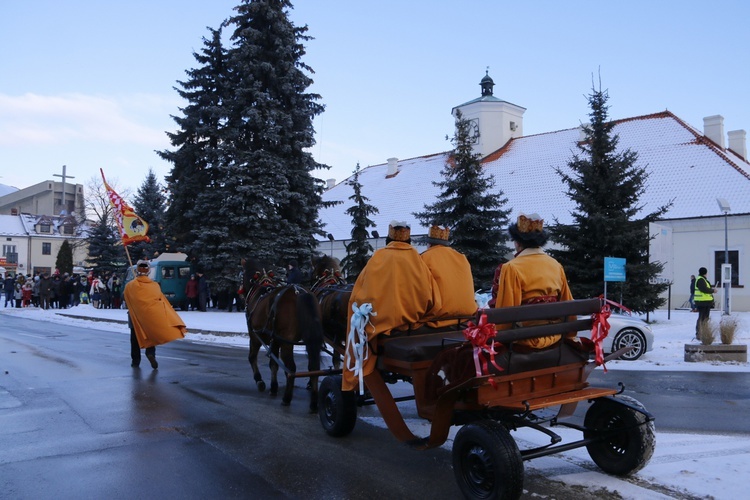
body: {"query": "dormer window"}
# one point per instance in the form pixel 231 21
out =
pixel 67 229
pixel 45 228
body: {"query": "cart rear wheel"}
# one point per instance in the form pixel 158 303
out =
pixel 486 461
pixel 624 452
pixel 337 409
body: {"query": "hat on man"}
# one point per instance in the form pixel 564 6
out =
pixel 438 236
pixel 142 266
pixel 529 230
pixel 399 231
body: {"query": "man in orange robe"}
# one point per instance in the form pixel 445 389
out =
pixel 452 273
pixel 531 276
pixel 401 291
pixel 152 319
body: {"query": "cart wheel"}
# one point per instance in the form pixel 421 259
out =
pixel 486 461
pixel 625 452
pixel 337 409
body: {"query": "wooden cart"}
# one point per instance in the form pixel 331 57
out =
pixel 538 390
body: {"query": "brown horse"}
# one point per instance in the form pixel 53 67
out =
pixel 279 317
pixel 333 294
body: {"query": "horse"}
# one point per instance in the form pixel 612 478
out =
pixel 333 294
pixel 280 316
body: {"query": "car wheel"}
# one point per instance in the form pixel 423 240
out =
pixel 630 337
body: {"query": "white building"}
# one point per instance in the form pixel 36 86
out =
pixel 30 243
pixel 688 167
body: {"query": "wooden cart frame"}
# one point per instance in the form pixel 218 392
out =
pixel 537 390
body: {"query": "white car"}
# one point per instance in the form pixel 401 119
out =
pixel 626 331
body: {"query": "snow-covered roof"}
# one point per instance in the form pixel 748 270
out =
pixel 684 167
pixel 5 189
pixel 11 225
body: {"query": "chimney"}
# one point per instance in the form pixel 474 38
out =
pixel 330 183
pixel 738 142
pixel 392 167
pixel 713 128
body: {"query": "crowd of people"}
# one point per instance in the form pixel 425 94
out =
pixel 62 290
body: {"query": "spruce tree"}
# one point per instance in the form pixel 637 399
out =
pixel 471 207
pixel 254 194
pixel 197 143
pixel 149 204
pixel 605 185
pixel 105 249
pixel 359 249
pixel 64 260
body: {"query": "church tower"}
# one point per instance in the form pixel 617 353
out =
pixel 497 121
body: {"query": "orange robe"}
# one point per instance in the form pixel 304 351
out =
pixel 154 320
pixel 401 290
pixel 452 273
pixel 532 273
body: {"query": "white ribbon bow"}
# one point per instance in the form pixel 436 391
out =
pixel 357 351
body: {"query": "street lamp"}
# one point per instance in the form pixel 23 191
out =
pixel 724 207
pixel 330 237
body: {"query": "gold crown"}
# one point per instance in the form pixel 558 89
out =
pixel 399 231
pixel 532 223
pixel 439 233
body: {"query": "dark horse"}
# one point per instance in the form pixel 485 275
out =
pixel 333 293
pixel 280 316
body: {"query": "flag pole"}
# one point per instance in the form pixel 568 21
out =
pixel 117 220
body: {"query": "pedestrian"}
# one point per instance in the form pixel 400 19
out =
pixel 95 292
pixel 704 299
pixel 203 291
pixel 151 318
pixel 26 293
pixel 191 292
pixel 45 291
pixel 18 294
pixel 692 294
pixel 293 275
pixel 115 291
pixel 8 287
pixel 35 291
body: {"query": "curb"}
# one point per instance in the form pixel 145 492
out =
pixel 190 330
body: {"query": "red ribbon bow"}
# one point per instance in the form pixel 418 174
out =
pixel 482 337
pixel 599 331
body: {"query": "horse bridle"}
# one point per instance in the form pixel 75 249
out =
pixel 329 277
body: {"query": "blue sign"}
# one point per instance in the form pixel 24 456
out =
pixel 614 269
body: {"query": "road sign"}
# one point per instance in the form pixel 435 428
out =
pixel 614 269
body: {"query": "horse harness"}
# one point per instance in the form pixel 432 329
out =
pixel 262 284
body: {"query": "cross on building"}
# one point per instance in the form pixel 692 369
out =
pixel 64 176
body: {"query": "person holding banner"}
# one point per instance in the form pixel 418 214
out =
pixel 151 318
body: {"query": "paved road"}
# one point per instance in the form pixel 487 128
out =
pixel 77 422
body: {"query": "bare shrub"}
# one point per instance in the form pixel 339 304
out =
pixel 728 329
pixel 707 332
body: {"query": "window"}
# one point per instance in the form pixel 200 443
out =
pixel 44 228
pixel 734 260
pixel 46 248
pixel 8 249
pixel 67 229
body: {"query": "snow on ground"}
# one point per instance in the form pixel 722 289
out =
pixel 694 465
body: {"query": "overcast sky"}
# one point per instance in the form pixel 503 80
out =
pixel 89 84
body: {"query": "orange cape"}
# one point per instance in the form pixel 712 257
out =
pixel 532 273
pixel 154 320
pixel 401 290
pixel 452 273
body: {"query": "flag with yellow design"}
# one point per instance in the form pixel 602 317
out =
pixel 132 228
